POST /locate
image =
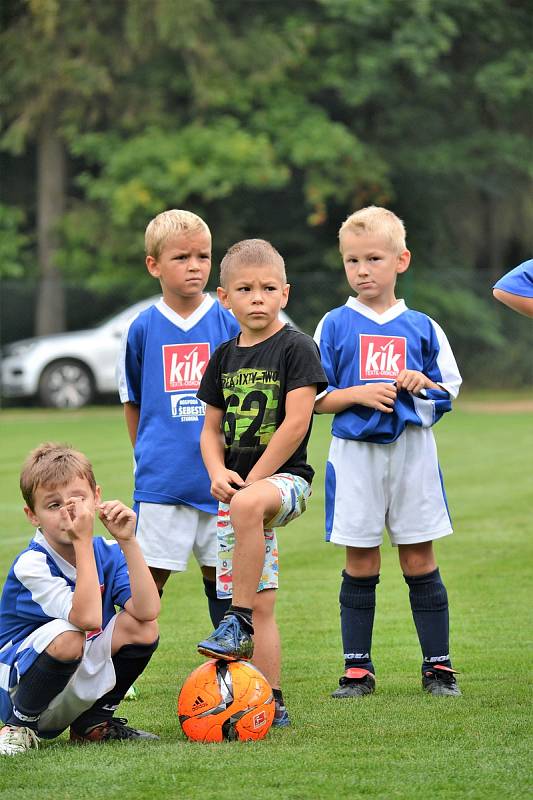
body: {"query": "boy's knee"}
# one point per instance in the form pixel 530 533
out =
pixel 130 629
pixel 68 646
pixel 146 632
pixel 417 559
pixel 246 505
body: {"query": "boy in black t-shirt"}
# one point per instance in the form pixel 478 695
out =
pixel 260 390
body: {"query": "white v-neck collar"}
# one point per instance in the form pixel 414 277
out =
pixel 185 323
pixel 66 567
pixel 380 319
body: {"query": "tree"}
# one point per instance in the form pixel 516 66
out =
pixel 277 120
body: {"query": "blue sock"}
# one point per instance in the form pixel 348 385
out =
pixel 217 606
pixel 358 604
pixel 429 604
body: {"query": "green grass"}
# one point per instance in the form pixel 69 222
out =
pixel 399 743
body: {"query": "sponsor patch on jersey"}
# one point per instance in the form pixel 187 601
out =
pixel 187 407
pixel 381 357
pixel 184 365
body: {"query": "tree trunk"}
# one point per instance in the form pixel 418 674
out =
pixel 51 189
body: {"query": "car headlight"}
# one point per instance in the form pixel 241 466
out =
pixel 18 348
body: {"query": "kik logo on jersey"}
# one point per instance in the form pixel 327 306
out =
pixel 184 365
pixel 381 357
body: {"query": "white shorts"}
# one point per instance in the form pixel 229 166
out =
pixel 94 677
pixel 395 486
pixel 168 534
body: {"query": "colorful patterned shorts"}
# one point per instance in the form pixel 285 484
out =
pixel 294 494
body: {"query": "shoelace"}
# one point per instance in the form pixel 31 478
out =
pixel 15 736
pixel 117 729
pixel 443 677
pixel 229 625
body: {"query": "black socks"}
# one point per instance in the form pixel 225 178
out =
pixel 358 604
pixel 45 679
pixel 217 606
pixel 429 604
pixel 129 662
pixel 244 615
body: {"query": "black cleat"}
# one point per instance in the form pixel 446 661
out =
pixel 114 728
pixel 355 682
pixel 440 681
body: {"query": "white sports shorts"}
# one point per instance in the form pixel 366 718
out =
pixel 395 486
pixel 168 534
pixel 94 677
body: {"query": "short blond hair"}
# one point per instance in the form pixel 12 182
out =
pixel 169 223
pixel 52 465
pixel 376 220
pixel 248 252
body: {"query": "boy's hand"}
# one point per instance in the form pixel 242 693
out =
pixel 412 381
pixel 379 396
pixel 77 519
pixel 225 484
pixel 118 519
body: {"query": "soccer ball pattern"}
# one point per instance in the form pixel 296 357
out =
pixel 225 700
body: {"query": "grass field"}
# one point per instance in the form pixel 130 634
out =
pixel 398 743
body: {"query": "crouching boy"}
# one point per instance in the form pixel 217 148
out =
pixel 66 656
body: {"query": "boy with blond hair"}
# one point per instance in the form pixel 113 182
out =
pixel 391 376
pixel 260 390
pixel 66 656
pixel 164 354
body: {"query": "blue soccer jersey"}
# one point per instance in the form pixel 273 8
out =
pixel 162 361
pixel 518 281
pixel 358 346
pixel 38 590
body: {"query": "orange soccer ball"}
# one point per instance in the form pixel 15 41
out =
pixel 225 700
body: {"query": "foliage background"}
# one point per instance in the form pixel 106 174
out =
pixel 275 120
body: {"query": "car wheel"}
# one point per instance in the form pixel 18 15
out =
pixel 66 384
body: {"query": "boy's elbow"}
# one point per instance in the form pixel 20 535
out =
pixel 144 612
pixel 319 407
pixel 86 622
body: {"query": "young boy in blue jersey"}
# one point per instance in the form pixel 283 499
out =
pixel 260 390
pixel 164 355
pixel 66 656
pixel 391 376
pixel 515 289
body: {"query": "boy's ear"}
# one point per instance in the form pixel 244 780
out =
pixel 97 495
pixel 31 516
pixel 223 297
pixel 285 295
pixel 404 259
pixel 152 266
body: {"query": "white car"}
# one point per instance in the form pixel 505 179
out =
pixel 68 370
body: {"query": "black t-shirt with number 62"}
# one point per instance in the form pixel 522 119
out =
pixel 250 385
